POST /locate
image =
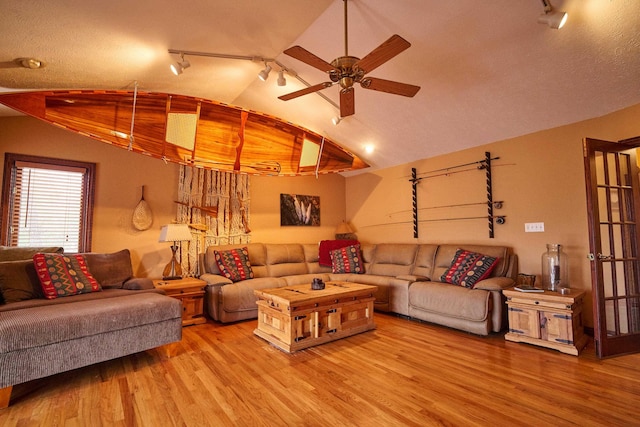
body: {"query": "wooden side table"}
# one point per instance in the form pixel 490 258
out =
pixel 547 319
pixel 190 291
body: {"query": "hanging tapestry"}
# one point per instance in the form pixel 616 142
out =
pixel 215 204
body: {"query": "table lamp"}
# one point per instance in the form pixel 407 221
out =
pixel 174 233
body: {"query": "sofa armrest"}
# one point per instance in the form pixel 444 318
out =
pixel 413 278
pixel 215 279
pixel 138 283
pixel 495 283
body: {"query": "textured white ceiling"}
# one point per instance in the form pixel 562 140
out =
pixel 487 69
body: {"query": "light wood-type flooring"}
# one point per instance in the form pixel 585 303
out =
pixel 403 373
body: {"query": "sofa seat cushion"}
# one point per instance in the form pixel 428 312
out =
pixel 107 293
pixel 240 297
pixel 450 300
pixel 57 323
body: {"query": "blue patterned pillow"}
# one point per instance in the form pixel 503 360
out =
pixel 468 268
pixel 234 264
pixel 347 260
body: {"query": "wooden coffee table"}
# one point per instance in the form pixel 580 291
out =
pixel 297 317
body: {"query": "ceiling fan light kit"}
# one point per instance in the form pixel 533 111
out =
pixel 347 70
pixel 553 18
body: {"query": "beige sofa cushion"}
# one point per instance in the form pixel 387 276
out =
pixel 425 259
pixel 240 297
pixel 450 300
pixel 393 259
pixel 311 257
pixel 285 259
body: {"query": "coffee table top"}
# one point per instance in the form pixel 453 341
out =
pixel 297 295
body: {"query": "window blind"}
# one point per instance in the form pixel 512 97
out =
pixel 47 206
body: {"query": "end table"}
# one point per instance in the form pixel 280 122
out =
pixel 190 291
pixel 547 319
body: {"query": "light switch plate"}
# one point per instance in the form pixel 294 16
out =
pixel 534 227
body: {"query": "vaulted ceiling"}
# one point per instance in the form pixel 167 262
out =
pixel 487 70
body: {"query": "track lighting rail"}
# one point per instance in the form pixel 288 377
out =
pixel 266 61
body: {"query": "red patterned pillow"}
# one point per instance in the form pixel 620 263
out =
pixel 234 264
pixel 347 260
pixel 63 275
pixel 467 268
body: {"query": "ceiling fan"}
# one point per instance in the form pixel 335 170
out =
pixel 347 70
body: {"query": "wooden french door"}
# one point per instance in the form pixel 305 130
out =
pixel 611 173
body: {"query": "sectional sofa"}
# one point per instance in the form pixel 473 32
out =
pixel 407 276
pixel 42 337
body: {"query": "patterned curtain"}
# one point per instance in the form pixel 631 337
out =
pixel 215 204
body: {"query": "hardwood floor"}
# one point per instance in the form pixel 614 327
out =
pixel 403 373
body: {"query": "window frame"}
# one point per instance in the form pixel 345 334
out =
pixel 86 226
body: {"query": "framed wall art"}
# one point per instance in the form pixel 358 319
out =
pixel 296 209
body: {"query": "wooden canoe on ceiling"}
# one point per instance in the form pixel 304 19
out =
pixel 188 130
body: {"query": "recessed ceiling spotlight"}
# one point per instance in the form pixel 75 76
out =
pixel 369 148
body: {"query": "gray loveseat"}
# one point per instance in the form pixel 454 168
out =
pixel 407 277
pixel 42 337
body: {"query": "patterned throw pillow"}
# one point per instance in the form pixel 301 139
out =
pixel 234 264
pixel 347 260
pixel 467 268
pixel 64 275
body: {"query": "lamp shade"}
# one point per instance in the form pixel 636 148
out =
pixel 175 233
pixel 344 228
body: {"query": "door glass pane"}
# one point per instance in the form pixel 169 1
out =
pixel 614 196
pixel 623 315
pixel 607 276
pixel 634 315
pixel 605 239
pixel 610 317
pixel 617 240
pixel 626 203
pixel 599 159
pixel 625 177
pixel 611 169
pixel 602 205
pixel 620 287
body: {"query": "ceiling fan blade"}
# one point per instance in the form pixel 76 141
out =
pixel 387 50
pixel 305 91
pixel 347 102
pixel 389 86
pixel 309 58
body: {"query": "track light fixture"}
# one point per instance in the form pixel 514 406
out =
pixel 281 80
pixel 553 18
pixel 264 74
pixel 180 66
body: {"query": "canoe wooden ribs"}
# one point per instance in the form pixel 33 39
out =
pixel 188 130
